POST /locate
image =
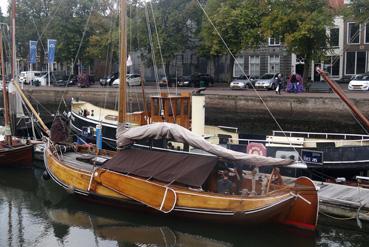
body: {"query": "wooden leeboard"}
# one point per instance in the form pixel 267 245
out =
pixel 149 193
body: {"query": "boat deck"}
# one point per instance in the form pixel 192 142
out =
pixel 344 201
pixel 71 159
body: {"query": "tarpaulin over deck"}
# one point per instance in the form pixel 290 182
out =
pixel 178 133
pixel 167 167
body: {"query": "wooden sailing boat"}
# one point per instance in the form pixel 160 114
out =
pixel 13 152
pixel 178 183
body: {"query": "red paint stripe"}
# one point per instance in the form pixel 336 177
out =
pixel 301 225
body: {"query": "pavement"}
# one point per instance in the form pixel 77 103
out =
pixel 216 89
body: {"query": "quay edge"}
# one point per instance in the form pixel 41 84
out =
pixel 307 112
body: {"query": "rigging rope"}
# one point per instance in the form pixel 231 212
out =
pixel 162 62
pixel 247 77
pixel 153 57
pixel 77 55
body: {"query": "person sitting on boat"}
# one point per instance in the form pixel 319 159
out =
pixel 224 185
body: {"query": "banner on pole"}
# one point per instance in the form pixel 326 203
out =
pixel 32 51
pixel 51 47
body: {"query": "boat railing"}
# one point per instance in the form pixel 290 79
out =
pixel 361 141
pixel 320 135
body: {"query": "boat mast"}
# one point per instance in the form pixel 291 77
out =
pixel 8 138
pixel 13 41
pixel 345 99
pixel 14 78
pixel 122 108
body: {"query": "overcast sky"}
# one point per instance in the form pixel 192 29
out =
pixel 4 6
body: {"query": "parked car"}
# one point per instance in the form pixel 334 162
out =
pixel 242 82
pixel 42 79
pixel 184 81
pixel 163 82
pixel 345 79
pixel 267 81
pixel 108 80
pixel 201 80
pixel 67 81
pixel 132 80
pixel 27 77
pixel 360 82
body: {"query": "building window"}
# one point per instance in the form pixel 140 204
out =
pixel 238 66
pixel 356 62
pixel 353 33
pixel 274 42
pixel 254 66
pixel 367 33
pixel 332 65
pixel 274 64
pixel 334 37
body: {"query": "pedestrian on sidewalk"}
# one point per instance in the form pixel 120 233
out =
pixel 294 82
pixel 279 84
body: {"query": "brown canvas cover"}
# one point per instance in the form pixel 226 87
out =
pixel 127 136
pixel 165 166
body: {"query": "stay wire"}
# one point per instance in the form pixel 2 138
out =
pixel 247 77
pixel 162 60
pixel 77 55
pixel 153 57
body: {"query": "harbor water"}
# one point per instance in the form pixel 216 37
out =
pixel 37 212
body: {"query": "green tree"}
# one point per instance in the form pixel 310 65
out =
pixel 238 22
pixel 302 27
pixel 358 10
pixel 177 24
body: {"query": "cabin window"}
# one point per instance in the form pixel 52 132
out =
pixel 238 66
pixel 254 66
pixel 353 33
pixel 334 37
pixel 355 62
pixel 273 64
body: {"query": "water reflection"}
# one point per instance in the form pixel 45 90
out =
pixel 35 212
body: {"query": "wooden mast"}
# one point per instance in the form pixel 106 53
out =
pixel 344 98
pixel 13 41
pixel 14 78
pixel 122 108
pixel 8 138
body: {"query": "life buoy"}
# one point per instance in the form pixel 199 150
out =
pixel 256 148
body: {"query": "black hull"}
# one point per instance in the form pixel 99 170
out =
pixel 335 158
pixel 77 123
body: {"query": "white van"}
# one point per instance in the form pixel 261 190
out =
pixel 27 76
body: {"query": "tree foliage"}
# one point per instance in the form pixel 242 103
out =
pixel 301 25
pixel 238 22
pixel 358 10
pixel 180 25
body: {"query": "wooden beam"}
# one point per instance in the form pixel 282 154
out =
pixel 122 108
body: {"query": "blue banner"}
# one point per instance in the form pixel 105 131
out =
pixel 51 47
pixel 32 51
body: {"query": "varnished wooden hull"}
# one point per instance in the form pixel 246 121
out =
pixel 282 207
pixel 20 156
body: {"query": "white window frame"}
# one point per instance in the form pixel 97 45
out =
pixel 348 33
pixel 258 59
pixel 355 67
pixel 330 36
pixel 235 65
pixel 274 43
pixel 279 63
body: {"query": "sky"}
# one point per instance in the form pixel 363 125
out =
pixel 4 6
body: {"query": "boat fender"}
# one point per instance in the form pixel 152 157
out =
pixel 45 175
